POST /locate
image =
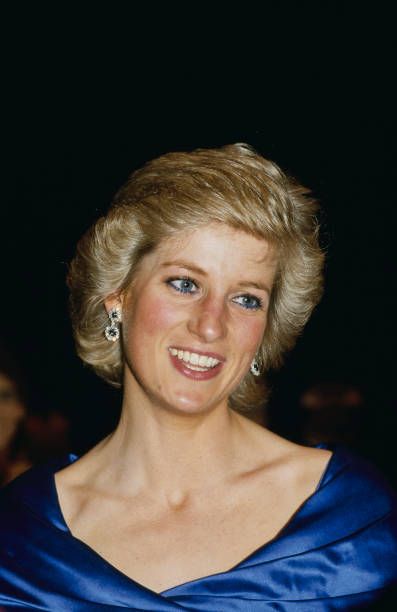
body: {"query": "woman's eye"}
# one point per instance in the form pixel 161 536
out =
pixel 248 301
pixel 183 285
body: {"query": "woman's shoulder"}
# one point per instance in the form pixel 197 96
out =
pixel 353 483
pixel 359 479
pixel 31 496
pixel 354 503
pixel 341 469
pixel 334 467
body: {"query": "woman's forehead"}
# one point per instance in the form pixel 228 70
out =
pixel 215 249
pixel 218 238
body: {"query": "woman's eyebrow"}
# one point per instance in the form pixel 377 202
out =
pixel 194 268
pixel 184 264
pixel 255 284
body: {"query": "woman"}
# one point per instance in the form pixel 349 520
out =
pixel 200 277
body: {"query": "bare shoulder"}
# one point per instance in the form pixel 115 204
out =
pixel 73 483
pixel 287 460
pixel 310 464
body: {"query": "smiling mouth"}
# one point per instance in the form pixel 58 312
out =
pixel 194 361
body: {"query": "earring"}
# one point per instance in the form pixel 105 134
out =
pixel 112 331
pixel 255 368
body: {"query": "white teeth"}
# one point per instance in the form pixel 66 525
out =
pixel 194 359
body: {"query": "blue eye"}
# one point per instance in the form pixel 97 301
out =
pixel 188 286
pixel 249 301
pixel 183 285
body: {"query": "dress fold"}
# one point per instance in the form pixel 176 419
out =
pixel 338 552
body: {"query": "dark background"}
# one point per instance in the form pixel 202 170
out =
pixel 90 97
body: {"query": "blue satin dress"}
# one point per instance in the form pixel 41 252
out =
pixel 338 552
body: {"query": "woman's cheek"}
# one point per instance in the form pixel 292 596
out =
pixel 250 333
pixel 157 316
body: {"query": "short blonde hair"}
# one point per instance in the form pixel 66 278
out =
pixel 232 185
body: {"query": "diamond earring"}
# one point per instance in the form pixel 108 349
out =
pixel 254 369
pixel 112 330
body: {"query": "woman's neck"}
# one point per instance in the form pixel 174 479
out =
pixel 174 456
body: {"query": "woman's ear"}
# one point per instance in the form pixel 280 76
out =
pixel 113 301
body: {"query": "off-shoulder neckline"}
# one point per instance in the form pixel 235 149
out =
pixel 71 458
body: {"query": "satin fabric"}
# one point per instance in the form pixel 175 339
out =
pixel 338 552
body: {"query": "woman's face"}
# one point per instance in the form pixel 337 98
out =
pixel 195 317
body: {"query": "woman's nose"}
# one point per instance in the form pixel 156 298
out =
pixel 208 320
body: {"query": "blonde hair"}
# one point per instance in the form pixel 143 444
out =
pixel 232 185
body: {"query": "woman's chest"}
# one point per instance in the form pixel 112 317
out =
pixel 163 549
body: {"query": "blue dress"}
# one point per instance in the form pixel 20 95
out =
pixel 338 552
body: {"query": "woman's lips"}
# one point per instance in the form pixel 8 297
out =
pixel 184 368
pixel 189 349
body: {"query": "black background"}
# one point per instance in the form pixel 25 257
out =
pixel 90 97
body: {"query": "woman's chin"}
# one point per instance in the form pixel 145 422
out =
pixel 190 403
